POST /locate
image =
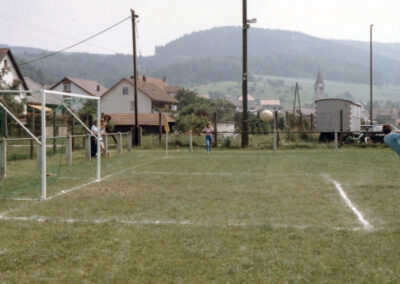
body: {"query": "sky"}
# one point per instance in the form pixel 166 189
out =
pixel 55 24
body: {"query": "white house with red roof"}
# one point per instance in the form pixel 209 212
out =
pixel 154 96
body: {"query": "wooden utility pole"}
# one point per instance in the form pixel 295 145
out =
pixel 370 74
pixel 135 79
pixel 245 122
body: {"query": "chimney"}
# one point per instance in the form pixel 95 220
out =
pixel 98 88
pixel 144 78
pixel 164 78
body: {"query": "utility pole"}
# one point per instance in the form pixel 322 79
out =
pixel 245 122
pixel 135 79
pixel 370 74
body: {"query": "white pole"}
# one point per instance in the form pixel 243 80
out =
pixel 275 140
pixel 166 144
pixel 336 141
pixel 44 184
pixel 190 141
pixel 98 140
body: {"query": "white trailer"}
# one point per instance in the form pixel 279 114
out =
pixel 337 115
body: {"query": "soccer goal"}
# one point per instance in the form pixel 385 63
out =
pixel 47 126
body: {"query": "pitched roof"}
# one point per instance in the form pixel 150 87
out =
pixel 147 119
pixel 7 51
pixel 319 80
pixel 155 92
pixel 34 98
pixel 270 102
pixel 160 83
pixel 88 86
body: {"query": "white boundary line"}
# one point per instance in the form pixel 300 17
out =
pixel 66 191
pixel 365 223
pixel 41 219
pixel 218 174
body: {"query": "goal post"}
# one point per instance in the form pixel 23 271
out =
pixel 61 97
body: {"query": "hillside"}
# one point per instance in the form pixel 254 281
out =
pixel 215 55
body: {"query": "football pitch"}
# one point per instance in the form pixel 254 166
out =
pixel 234 216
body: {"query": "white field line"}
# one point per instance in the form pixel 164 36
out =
pixel 216 173
pixel 3 214
pixel 343 194
pixel 95 181
pixel 167 222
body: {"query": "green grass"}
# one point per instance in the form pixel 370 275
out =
pixel 260 89
pixel 232 216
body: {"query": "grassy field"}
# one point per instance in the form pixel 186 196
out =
pixel 232 216
pixel 260 89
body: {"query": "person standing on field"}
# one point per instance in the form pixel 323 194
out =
pixel 392 139
pixel 208 130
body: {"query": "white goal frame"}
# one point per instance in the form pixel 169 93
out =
pixel 43 143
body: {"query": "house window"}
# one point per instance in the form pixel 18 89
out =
pixel 67 87
pixel 5 63
pixel 132 105
pixel 125 90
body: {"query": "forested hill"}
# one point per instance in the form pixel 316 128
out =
pixel 215 55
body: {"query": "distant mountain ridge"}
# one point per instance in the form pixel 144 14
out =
pixel 215 55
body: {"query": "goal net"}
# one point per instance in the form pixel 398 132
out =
pixel 48 143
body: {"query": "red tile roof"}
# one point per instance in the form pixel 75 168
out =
pixel 160 83
pixel 148 119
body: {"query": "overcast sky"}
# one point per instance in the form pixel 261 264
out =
pixel 55 24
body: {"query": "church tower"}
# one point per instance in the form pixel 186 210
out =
pixel 319 87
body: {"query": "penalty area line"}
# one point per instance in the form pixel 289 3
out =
pixel 350 204
pixel 41 219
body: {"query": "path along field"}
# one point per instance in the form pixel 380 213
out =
pixel 232 216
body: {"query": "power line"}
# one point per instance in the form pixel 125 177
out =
pixel 14 20
pixel 76 44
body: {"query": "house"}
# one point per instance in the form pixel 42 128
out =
pixel 389 115
pixel 79 86
pixel 227 128
pixel 271 104
pixel 251 103
pixel 34 99
pixel 153 97
pixel 12 74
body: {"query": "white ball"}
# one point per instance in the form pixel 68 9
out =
pixel 266 116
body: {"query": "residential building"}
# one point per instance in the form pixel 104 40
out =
pixel 271 104
pixel 389 115
pixel 8 66
pixel 79 86
pixel 154 96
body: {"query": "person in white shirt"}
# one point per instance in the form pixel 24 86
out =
pixel 95 131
